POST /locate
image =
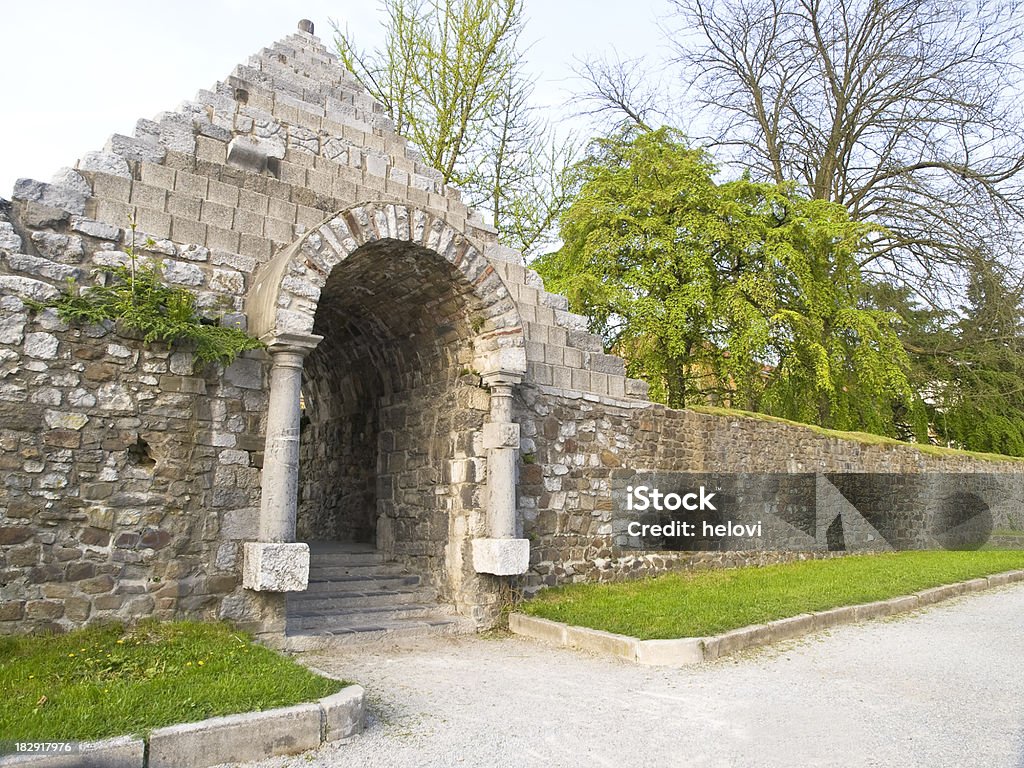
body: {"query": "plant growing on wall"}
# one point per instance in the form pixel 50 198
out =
pixel 134 297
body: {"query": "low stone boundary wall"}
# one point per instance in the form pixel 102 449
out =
pixel 685 651
pixel 229 739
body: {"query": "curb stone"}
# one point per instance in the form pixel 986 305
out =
pixel 686 651
pixel 228 739
pixel 120 752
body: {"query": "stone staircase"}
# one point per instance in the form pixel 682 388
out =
pixel 354 596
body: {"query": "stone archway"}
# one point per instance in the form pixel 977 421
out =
pixel 394 314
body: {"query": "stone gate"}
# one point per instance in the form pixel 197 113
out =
pixel 424 409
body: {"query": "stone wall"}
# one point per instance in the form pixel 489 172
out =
pixel 283 198
pixel 122 466
pixel 580 451
pixel 132 479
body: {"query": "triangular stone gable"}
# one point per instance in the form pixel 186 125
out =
pixel 242 171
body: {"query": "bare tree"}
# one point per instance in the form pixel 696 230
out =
pixel 907 112
pixel 451 75
pixel 520 170
pixel 620 90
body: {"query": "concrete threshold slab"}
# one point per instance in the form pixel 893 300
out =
pixel 686 651
pixel 229 739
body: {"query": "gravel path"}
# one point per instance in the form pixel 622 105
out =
pixel 942 687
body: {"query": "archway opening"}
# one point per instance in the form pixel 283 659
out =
pixel 390 406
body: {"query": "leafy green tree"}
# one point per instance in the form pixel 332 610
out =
pixel 739 293
pixel 968 365
pixel 450 74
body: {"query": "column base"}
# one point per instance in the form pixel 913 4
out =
pixel 275 567
pixel 501 557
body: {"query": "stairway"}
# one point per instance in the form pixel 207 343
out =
pixel 355 597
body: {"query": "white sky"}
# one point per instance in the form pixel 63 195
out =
pixel 72 73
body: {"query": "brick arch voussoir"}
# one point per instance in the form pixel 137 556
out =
pixel 500 343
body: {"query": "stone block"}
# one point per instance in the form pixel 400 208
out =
pixel 847 614
pixel 120 752
pixel 603 643
pixel 282 210
pixel 636 388
pixel 580 379
pixel 41 345
pixel 222 194
pixel 882 608
pixel 182 205
pixel 501 557
pixel 737 640
pixel 148 196
pixel 105 162
pixel 975 585
pixel 245 373
pixel 138 150
pixel 907 603
pixel 937 594
pixel 222 239
pixel 247 222
pixel 157 175
pixel 191 184
pixel 276 567
pixel 236 738
pixel 505 360
pixel 115 188
pixel 344 713
pixel 211 150
pixel 499 435
pixel 27 288
pixel 790 627
pixel 679 652
pixel 97 229
pixel 539 629
pixel 217 215
pixel 113 211
pixel 186 230
pixel 154 223
pixel 66 177
pixel 601 363
pixel 1000 579
pixel 51 195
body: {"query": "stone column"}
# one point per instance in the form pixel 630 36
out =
pixel 501 553
pixel 276 563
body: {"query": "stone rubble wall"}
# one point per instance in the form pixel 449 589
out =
pixel 578 449
pixel 131 476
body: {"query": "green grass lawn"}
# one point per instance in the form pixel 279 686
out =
pixel 711 602
pixel 108 681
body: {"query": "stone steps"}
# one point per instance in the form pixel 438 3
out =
pixel 344 635
pixel 354 596
pixel 330 602
pixel 349 582
pixel 363 618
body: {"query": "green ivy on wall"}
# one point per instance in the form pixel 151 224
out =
pixel 135 297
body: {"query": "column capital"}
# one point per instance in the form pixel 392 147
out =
pixel 501 378
pixel 301 343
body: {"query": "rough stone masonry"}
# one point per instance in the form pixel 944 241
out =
pixel 420 389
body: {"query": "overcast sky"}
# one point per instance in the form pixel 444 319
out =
pixel 76 72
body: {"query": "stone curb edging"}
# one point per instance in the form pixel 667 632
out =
pixel 232 738
pixel 685 651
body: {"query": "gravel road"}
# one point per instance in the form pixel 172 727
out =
pixel 942 687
